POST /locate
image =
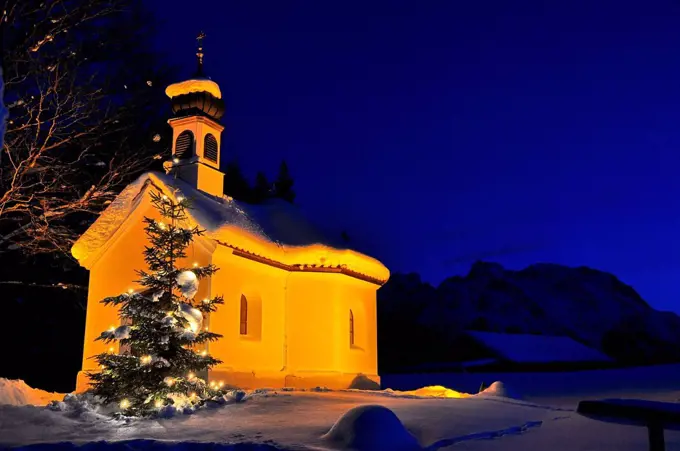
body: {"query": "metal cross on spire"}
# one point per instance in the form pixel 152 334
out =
pixel 199 53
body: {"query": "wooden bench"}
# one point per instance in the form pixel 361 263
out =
pixel 655 416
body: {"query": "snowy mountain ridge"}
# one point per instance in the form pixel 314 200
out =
pixel 590 306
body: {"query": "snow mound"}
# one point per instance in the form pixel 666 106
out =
pixel 18 393
pixel 83 406
pixel 500 390
pixel 371 428
pixel 436 391
pixel 432 391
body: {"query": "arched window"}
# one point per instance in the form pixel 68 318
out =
pixel 184 145
pixel 351 328
pixel 210 148
pixel 244 315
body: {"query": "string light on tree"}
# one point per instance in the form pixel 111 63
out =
pixel 163 320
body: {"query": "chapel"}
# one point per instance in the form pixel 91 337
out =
pixel 299 309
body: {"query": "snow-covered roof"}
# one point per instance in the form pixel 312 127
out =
pixel 275 232
pixel 194 85
pixel 525 348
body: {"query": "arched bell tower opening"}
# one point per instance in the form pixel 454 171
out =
pixel 210 146
pixel 185 145
pixel 197 108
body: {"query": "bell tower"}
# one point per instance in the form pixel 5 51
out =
pixel 197 107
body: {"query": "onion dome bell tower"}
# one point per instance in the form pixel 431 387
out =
pixel 197 107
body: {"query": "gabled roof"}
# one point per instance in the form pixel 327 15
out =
pixel 275 232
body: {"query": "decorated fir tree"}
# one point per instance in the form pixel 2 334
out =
pixel 162 325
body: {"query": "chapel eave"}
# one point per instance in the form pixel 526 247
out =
pixel 239 233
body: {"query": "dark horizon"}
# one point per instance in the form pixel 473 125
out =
pixel 440 133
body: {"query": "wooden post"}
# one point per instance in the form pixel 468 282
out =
pixel 656 438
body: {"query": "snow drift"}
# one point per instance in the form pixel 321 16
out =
pixel 18 393
pixel 371 428
pixel 499 389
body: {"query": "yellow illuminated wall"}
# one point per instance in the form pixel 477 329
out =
pixel 298 326
pixel 261 349
pixel 298 322
pixel 114 273
pixel 359 297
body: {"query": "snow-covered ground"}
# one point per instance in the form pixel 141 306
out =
pixel 18 393
pixel 301 420
pixel 560 388
pixel 528 348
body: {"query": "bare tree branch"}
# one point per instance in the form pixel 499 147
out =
pixel 61 286
pixel 72 140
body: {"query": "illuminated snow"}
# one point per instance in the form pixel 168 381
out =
pixel 275 230
pixel 432 391
pixel 500 389
pixel 18 393
pixel 193 85
pixel 288 420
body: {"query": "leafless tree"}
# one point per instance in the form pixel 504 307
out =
pixel 79 86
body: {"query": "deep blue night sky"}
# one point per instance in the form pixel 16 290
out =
pixel 440 132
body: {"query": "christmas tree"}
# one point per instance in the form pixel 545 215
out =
pixel 162 325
